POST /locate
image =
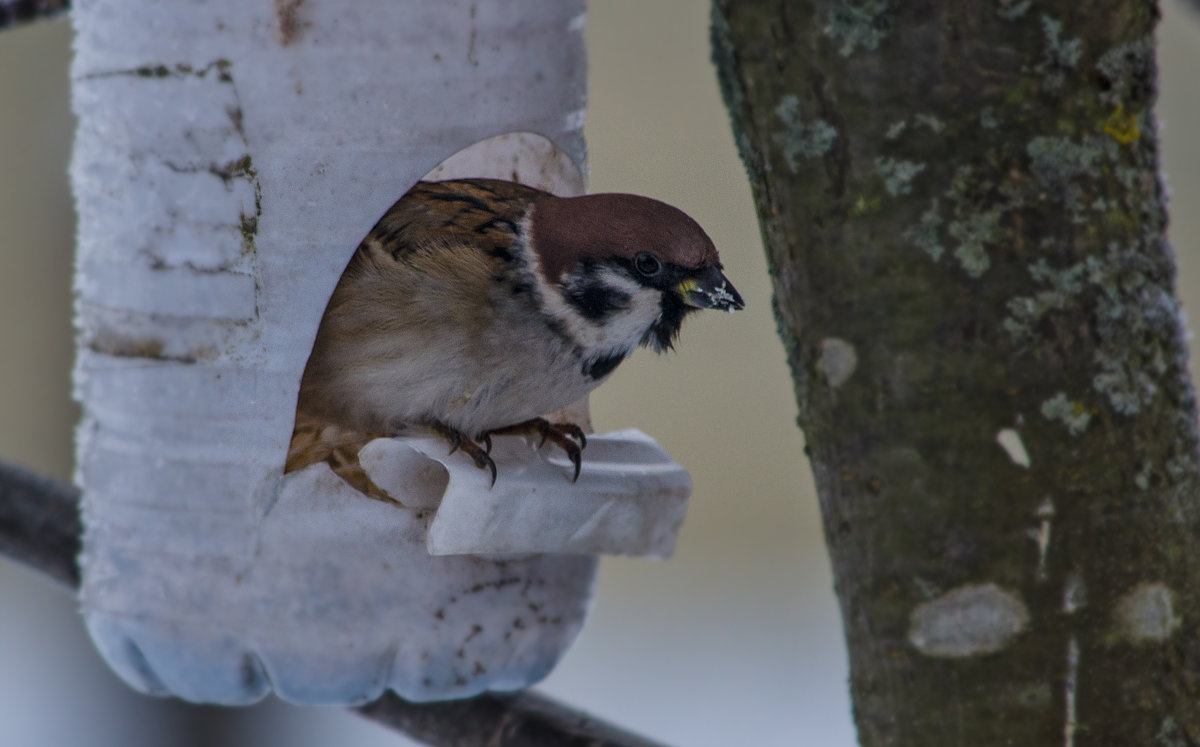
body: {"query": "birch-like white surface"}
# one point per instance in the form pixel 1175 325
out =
pixel 229 158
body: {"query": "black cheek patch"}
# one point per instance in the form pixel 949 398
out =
pixel 596 302
pixel 602 367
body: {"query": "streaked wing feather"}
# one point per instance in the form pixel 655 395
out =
pixel 464 212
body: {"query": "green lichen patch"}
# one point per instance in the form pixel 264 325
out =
pixel 801 140
pixel 1133 315
pixel 1062 167
pixel 858 25
pixel 1073 415
pixel 1055 161
pixel 1011 10
pixel 974 232
pixel 896 129
pixel 1170 734
pixel 1143 475
pixel 924 235
pixel 976 207
pixel 897 174
pixel 1053 170
pixel 1059 55
pixel 1127 73
pixel 932 122
pixel 1025 312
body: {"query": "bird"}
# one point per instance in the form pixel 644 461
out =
pixel 476 306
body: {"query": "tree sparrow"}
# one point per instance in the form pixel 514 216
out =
pixel 474 306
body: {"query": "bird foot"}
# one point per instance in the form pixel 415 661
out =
pixel 459 440
pixel 562 435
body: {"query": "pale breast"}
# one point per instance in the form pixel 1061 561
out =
pixel 434 343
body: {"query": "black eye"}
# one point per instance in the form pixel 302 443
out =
pixel 647 264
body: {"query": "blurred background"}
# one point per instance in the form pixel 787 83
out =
pixel 735 640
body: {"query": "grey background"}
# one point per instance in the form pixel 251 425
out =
pixel 736 640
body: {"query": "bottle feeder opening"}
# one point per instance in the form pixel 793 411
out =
pixel 629 498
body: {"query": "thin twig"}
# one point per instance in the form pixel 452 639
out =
pixel 39 523
pixel 40 528
pixel 16 12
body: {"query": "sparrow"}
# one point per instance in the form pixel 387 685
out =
pixel 475 306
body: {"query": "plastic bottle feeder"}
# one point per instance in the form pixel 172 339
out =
pixel 228 161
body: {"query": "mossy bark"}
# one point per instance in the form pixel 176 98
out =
pixel 965 226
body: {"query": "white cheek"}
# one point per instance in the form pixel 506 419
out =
pixel 627 329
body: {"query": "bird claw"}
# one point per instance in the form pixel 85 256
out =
pixel 482 460
pixel 574 453
pixel 562 435
pixel 574 432
pixel 459 440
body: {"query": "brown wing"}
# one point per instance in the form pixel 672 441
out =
pixel 467 212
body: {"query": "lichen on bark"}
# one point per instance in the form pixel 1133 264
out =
pixel 985 226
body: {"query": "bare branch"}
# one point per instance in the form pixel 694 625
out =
pixel 40 528
pixel 16 12
pixel 39 523
pixel 524 719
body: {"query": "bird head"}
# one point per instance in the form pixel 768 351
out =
pixel 609 254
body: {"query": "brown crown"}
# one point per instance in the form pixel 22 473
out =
pixel 567 230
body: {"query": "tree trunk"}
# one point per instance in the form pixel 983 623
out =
pixel 965 225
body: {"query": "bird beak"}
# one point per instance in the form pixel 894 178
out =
pixel 710 290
